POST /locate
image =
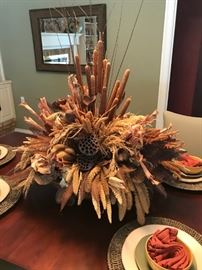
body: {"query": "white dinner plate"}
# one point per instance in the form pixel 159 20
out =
pixel 3 152
pixel 191 180
pixel 128 249
pixel 4 189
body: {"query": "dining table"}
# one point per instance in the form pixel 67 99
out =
pixel 36 235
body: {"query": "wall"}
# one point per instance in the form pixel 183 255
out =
pixel 143 54
pixel 185 87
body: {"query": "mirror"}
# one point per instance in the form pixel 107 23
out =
pixel 61 33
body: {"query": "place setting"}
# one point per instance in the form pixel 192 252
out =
pixel 8 195
pixel 160 244
pixel 190 173
pixel 6 154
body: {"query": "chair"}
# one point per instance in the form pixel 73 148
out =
pixel 190 130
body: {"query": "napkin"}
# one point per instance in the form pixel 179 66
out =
pixel 189 160
pixel 167 251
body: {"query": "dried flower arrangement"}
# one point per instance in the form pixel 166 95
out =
pixel 100 151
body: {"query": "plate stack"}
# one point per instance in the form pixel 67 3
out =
pixel 3 152
pixel 6 154
pixel 8 196
pixel 4 189
pixel 190 168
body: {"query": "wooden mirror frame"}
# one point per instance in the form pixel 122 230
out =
pixel 98 10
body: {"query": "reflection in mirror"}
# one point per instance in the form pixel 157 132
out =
pixel 61 33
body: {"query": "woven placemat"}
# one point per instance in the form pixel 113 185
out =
pixel 114 251
pixel 11 199
pixel 4 265
pixel 183 185
pixel 11 154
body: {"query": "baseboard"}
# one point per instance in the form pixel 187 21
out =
pixel 23 130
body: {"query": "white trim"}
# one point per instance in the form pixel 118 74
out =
pixel 166 59
pixel 22 130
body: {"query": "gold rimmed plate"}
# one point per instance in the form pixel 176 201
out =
pixel 3 151
pixel 10 200
pixel 197 175
pixel 4 189
pixel 9 156
pixel 191 179
pixel 191 185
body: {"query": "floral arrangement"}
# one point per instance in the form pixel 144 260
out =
pixel 88 141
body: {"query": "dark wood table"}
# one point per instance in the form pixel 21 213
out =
pixel 34 234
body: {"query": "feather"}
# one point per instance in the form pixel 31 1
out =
pixel 117 193
pixel 76 180
pixel 116 182
pixel 122 207
pixel 105 186
pixel 69 174
pixel 109 211
pixel 129 200
pixel 102 196
pixel 143 197
pixel 90 177
pixel 139 210
pixel 68 192
pixel 81 193
pixel 95 197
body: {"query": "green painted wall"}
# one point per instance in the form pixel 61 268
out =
pixel 143 55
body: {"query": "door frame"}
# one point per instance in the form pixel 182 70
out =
pixel 166 59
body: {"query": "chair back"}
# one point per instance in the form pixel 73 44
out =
pixel 190 130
